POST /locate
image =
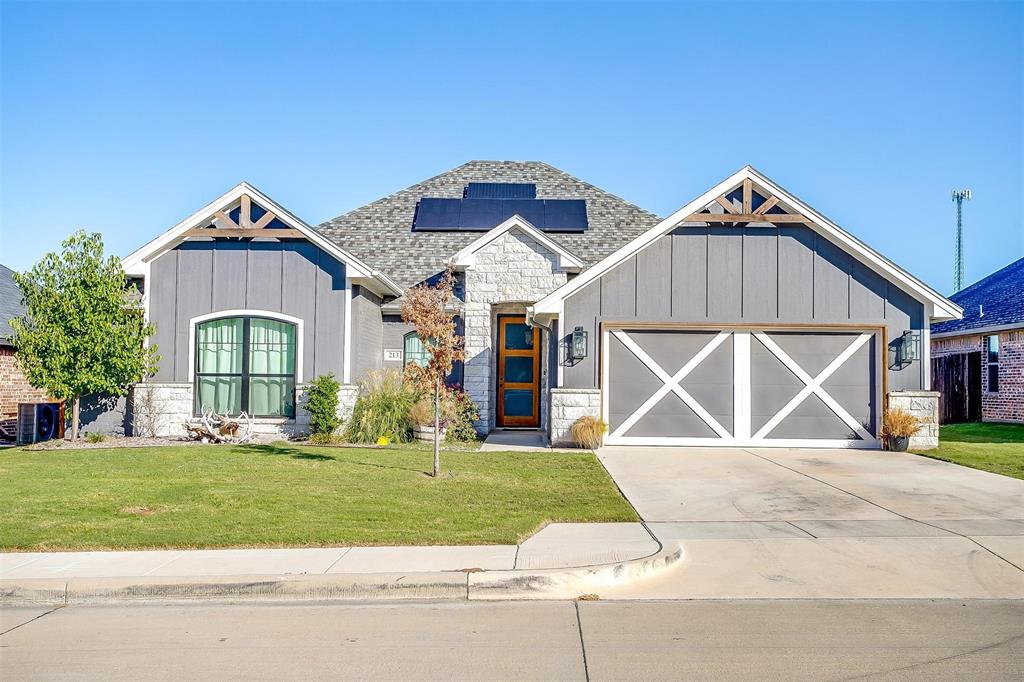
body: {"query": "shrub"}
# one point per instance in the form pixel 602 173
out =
pixel 422 413
pixel 897 423
pixel 322 404
pixel 382 409
pixel 94 437
pixel 323 439
pixel 588 432
pixel 463 413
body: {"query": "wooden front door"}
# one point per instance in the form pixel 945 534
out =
pixel 518 372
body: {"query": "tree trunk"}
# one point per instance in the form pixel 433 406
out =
pixel 74 417
pixel 437 428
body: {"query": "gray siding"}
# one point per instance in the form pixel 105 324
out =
pixel 753 275
pixel 393 335
pixel 293 278
pixel 367 333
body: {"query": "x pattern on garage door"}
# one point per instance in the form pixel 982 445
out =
pixel 741 387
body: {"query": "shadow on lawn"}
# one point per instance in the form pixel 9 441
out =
pixel 296 453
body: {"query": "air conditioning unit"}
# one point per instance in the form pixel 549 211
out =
pixel 40 421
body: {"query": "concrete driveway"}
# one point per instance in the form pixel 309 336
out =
pixel 824 523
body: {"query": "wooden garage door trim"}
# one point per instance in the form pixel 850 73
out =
pixel 741 342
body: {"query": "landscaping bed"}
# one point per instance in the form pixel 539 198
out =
pixel 998 448
pixel 278 495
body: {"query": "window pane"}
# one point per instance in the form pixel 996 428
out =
pixel 219 346
pixel 518 370
pixel 993 378
pixel 272 396
pixel 518 337
pixel 415 350
pixel 518 403
pixel 993 349
pixel 271 347
pixel 223 395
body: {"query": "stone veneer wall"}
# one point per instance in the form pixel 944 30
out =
pixel 925 406
pixel 1007 404
pixel 161 409
pixel 514 269
pixel 568 405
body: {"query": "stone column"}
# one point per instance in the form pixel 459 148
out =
pixel 925 406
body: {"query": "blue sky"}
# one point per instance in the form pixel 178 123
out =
pixel 125 118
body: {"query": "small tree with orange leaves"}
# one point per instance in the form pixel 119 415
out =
pixel 426 308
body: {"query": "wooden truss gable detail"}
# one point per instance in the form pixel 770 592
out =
pixel 727 211
pixel 222 225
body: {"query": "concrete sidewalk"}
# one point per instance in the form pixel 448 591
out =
pixel 560 561
pixel 559 545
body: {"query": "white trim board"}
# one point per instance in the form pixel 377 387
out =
pixel 137 263
pixel 467 256
pixel 938 307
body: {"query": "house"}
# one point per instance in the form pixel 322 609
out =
pixel 14 387
pixel 744 318
pixel 978 361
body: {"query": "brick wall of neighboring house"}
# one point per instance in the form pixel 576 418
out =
pixel 1007 404
pixel 14 389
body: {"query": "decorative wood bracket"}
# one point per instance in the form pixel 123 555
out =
pixel 747 214
pixel 224 226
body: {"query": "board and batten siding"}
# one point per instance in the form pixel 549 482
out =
pixel 367 333
pixel 753 275
pixel 294 278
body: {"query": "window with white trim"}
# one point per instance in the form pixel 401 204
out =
pixel 245 364
pixel 992 362
pixel 414 351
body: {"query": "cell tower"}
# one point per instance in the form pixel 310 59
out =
pixel 959 196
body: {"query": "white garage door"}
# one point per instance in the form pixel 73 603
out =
pixel 771 387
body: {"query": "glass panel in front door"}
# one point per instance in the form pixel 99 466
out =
pixel 518 336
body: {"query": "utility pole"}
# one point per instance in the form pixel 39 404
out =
pixel 959 196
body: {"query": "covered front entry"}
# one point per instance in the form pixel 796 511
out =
pixel 518 372
pixel 742 386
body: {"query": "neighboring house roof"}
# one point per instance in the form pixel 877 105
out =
pixel 995 301
pixel 938 305
pixel 381 233
pixel 137 263
pixel 10 304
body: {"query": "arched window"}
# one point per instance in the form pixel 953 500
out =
pixel 245 364
pixel 415 351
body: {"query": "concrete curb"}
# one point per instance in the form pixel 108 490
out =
pixel 562 583
pixel 367 586
pixel 569 583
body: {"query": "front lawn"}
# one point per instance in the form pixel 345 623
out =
pixel 998 448
pixel 287 495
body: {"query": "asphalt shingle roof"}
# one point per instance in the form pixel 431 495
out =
pixel 10 304
pixel 381 234
pixel 1000 296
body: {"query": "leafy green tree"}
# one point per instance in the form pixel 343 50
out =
pixel 84 331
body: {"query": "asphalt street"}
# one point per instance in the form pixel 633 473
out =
pixel 587 640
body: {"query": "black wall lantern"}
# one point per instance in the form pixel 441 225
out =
pixel 905 349
pixel 578 345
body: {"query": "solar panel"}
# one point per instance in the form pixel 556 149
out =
pixel 532 210
pixel 480 214
pixel 500 190
pixel 554 215
pixel 565 215
pixel 437 214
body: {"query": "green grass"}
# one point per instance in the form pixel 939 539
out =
pixel 998 448
pixel 285 495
